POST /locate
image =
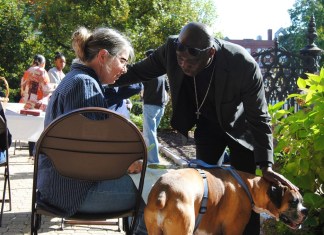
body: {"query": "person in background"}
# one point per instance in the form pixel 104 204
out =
pixel 56 73
pixel 217 87
pixel 102 56
pixel 117 98
pixel 35 89
pixel 155 98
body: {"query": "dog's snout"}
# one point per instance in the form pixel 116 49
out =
pixel 304 211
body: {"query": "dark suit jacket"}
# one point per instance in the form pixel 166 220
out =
pixel 239 94
pixel 116 95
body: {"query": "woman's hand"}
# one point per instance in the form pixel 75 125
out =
pixel 136 167
pixel 277 178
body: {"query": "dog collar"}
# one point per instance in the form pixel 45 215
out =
pixel 203 205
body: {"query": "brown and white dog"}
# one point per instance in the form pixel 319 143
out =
pixel 175 200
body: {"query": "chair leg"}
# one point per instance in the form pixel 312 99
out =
pixel 7 177
pixel 119 223
pixel 9 190
pixel 35 225
pixel 62 224
pixel 4 200
pixel 126 227
pixel 15 147
pixel 32 223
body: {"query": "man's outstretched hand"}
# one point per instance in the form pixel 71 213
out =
pixel 277 178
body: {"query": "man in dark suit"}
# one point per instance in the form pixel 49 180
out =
pixel 217 87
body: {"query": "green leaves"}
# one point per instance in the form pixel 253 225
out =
pixel 300 142
pixel 301 83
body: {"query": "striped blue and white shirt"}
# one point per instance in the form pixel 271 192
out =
pixel 80 88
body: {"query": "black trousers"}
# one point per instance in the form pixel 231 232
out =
pixel 211 142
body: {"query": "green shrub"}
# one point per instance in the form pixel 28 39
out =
pixel 300 146
pixel 165 121
pixel 137 120
pixel 137 115
pixel 137 108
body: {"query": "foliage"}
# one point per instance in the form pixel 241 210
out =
pixel 137 120
pixel 146 23
pixel 166 119
pixel 18 43
pixel 137 108
pixel 28 27
pixel 300 145
pixel 300 15
pixel 137 114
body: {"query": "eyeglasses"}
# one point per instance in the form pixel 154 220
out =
pixel 122 60
pixel 191 50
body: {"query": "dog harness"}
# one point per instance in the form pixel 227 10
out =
pixel 195 163
pixel 203 205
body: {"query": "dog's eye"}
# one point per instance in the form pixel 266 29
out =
pixel 294 202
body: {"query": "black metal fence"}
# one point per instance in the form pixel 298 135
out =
pixel 281 68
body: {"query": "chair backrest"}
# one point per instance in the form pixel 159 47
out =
pixel 3 125
pixel 4 132
pixel 83 148
pixel 91 144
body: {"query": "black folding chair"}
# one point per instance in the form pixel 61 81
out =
pixel 82 148
pixel 6 185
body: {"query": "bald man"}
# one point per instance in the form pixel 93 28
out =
pixel 217 87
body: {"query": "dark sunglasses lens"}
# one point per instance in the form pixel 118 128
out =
pixel 182 47
pixel 193 51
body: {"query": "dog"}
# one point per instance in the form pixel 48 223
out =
pixel 175 199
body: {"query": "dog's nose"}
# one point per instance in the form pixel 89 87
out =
pixel 304 211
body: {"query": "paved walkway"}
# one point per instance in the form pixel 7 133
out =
pixel 17 221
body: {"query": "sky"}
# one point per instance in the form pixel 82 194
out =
pixel 247 19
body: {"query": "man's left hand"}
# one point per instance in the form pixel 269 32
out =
pixel 277 178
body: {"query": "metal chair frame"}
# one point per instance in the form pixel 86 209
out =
pixel 81 147
pixel 6 184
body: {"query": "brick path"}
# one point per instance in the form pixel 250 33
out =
pixel 17 221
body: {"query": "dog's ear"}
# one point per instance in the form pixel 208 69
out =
pixel 276 193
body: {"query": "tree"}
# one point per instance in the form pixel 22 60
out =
pixel 300 16
pixel 18 43
pixel 45 26
pixel 146 23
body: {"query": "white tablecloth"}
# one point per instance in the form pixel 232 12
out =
pixel 23 127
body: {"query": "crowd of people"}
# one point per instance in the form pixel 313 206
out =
pixel 216 88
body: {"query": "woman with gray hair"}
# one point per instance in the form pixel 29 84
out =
pixel 102 56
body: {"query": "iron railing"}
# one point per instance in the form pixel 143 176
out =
pixel 281 68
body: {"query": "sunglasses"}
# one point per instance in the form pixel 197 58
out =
pixel 191 50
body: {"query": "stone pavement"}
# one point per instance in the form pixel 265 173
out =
pixel 17 221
